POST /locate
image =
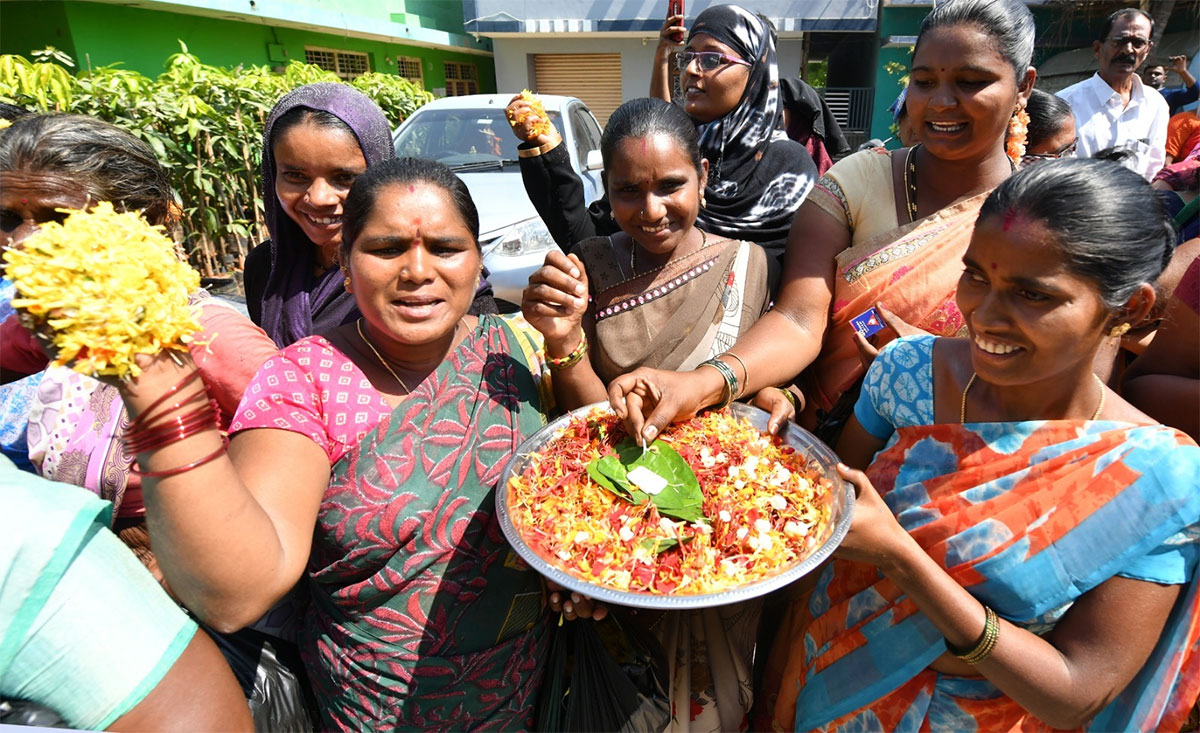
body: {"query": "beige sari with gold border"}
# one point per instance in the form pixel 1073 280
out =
pixel 675 316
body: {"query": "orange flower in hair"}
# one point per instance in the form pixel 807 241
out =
pixel 1018 134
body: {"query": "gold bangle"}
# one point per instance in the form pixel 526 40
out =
pixel 986 643
pixel 571 359
pixel 791 397
pixel 539 150
pixel 745 373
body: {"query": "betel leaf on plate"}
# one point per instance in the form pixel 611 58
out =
pixel 610 473
pixel 658 546
pixel 681 499
pixel 615 469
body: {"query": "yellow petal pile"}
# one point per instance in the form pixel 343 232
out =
pixel 542 126
pixel 106 286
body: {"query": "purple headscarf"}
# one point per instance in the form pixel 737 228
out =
pixel 296 303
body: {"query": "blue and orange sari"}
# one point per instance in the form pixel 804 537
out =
pixel 1028 517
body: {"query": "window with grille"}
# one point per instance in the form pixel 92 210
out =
pixel 461 79
pixel 410 68
pixel 346 64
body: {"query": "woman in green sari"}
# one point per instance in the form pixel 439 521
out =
pixel 366 459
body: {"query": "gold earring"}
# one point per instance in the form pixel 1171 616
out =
pixel 346 283
pixel 1118 331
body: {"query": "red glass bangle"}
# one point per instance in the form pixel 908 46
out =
pixel 173 430
pixel 144 416
pixel 181 469
pixel 149 422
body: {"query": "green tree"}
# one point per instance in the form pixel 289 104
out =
pixel 205 124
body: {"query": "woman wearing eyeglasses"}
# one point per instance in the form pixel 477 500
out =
pixel 757 176
pixel 881 227
pixel 1051 128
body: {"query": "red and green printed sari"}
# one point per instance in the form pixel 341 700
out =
pixel 422 616
pixel 1028 517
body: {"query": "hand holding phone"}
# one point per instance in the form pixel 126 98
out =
pixel 675 7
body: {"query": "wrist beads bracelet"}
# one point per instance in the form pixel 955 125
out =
pixel 570 359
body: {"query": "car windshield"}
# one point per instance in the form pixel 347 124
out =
pixel 461 137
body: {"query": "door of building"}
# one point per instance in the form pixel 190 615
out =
pixel 593 77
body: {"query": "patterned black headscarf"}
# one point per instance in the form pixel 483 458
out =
pixel 757 176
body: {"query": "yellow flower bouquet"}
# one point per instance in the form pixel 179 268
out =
pixel 105 286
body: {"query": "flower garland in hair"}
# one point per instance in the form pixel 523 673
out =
pixel 105 286
pixel 1018 133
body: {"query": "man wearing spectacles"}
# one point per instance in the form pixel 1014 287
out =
pixel 1113 108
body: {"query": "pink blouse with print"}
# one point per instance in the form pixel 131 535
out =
pixel 313 389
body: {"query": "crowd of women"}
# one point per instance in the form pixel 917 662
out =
pixel 1021 432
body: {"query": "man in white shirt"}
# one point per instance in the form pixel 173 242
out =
pixel 1114 108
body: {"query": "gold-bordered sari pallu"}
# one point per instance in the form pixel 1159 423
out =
pixel 676 316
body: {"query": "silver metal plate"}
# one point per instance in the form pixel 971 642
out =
pixel 805 443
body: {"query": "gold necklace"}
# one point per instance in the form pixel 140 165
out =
pixel 962 409
pixel 363 336
pixel 633 250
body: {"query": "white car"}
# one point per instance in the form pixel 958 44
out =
pixel 471 135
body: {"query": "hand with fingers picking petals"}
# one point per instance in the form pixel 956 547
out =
pixel 555 301
pixel 647 400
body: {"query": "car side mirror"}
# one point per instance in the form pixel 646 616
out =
pixel 595 161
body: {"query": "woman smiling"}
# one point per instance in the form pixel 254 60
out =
pixel 1030 557
pixel 757 177
pixel 318 139
pixel 665 293
pixel 879 226
pixel 369 456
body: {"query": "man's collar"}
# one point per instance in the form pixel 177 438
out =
pixel 1104 91
pixel 1134 80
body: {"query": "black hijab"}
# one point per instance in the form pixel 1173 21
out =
pixel 757 176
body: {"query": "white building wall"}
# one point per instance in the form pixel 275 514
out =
pixel 514 59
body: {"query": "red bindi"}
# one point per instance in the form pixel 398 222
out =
pixel 993 265
pixel 412 188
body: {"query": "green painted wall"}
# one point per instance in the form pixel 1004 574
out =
pixel 29 26
pixel 148 37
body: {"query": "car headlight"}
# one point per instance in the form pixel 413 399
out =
pixel 523 238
